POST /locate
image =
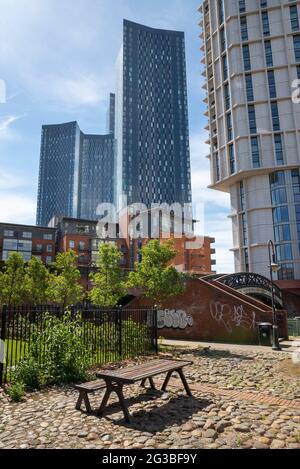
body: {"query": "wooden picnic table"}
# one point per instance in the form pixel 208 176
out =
pixel 115 380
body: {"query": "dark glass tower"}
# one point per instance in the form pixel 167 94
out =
pixel 59 172
pixel 96 174
pixel 111 114
pixel 153 156
pixel 76 171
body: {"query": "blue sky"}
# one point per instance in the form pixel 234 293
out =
pixel 57 58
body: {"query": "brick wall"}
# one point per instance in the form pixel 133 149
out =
pixel 206 312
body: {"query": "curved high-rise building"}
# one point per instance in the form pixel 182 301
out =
pixel 153 155
pixel 96 174
pixel 76 171
pixel 59 171
pixel 252 59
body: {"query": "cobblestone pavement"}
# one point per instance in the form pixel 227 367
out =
pixel 218 416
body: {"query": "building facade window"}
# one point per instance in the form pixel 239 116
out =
pixel 296 40
pixel 295 174
pixel 244 28
pixel 27 235
pixel 229 127
pixel 225 67
pixel 278 149
pixel 269 53
pixel 232 159
pixel 272 84
pixel 265 23
pixel 222 40
pixel 244 229
pixel 246 57
pixel 247 263
pixel 255 152
pixel 9 233
pixel 71 244
pixel 227 97
pixel 221 11
pixel 281 222
pixel 217 159
pixel 242 197
pixel 249 87
pixel 252 119
pixel 242 6
pixel 275 116
pixel 81 245
pixel 294 18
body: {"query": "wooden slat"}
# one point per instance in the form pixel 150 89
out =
pixel 149 369
pixel 91 386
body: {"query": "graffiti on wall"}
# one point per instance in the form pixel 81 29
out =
pixel 174 319
pixel 232 316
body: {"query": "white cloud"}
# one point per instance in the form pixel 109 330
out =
pixel 6 122
pixel 5 126
pixel 17 208
pixel 9 181
pixel 82 90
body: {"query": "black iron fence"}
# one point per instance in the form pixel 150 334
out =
pixel 107 335
pixel 294 327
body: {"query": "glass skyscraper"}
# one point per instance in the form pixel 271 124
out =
pixel 96 174
pixel 76 171
pixel 59 171
pixel 153 156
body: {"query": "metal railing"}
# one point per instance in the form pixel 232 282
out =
pixel 108 334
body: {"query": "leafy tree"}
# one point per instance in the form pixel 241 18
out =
pixel 109 285
pixel 64 287
pixel 12 280
pixel 36 282
pixel 154 275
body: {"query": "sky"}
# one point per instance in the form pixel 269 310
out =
pixel 57 60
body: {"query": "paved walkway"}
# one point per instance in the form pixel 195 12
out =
pixel 287 346
pixel 242 398
pixel 240 395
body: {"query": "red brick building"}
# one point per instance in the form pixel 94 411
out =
pixel 84 236
pixel 28 241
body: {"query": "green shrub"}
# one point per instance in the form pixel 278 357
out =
pixel 16 391
pixel 63 357
pixel 28 372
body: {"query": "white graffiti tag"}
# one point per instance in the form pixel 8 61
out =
pixel 174 319
pixel 231 317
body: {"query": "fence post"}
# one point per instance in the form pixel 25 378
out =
pixel 120 331
pixel 2 342
pixel 154 330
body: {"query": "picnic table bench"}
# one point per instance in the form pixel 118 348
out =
pixel 116 380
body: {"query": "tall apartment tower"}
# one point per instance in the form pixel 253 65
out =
pixel 96 174
pixel 252 57
pixel 76 171
pixel 152 136
pixel 59 172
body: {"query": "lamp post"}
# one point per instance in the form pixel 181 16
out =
pixel 274 268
